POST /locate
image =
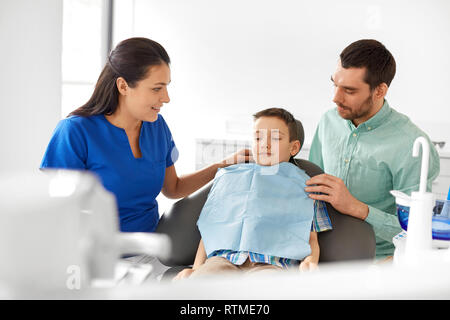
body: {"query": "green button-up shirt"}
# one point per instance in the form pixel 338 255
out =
pixel 373 159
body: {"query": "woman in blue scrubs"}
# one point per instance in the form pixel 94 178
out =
pixel 120 136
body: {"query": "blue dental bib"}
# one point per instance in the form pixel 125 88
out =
pixel 261 209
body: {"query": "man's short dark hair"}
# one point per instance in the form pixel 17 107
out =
pixel 284 115
pixel 372 55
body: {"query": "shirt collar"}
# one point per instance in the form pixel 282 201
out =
pixel 377 120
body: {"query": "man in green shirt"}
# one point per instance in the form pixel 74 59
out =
pixel 365 147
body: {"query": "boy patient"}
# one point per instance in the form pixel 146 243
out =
pixel 257 216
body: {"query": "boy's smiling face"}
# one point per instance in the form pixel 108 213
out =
pixel 271 143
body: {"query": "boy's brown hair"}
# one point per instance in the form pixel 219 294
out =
pixel 284 115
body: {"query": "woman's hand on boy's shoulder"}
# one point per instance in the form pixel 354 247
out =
pixel 242 156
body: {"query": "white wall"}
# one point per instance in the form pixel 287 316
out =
pixel 232 58
pixel 229 59
pixel 30 81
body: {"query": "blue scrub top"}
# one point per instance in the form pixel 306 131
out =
pixel 94 144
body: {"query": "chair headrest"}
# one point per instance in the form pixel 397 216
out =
pixel 300 134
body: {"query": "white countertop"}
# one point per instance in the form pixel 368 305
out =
pixel 352 280
pixel 444 153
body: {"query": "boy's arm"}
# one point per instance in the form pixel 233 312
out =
pixel 311 261
pixel 200 258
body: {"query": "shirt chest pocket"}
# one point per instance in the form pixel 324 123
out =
pixel 369 183
pixel 332 156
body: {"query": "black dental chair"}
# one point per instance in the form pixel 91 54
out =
pixel 350 239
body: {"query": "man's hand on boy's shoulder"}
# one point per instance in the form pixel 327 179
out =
pixel 334 191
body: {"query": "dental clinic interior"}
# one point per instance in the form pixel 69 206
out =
pixel 61 232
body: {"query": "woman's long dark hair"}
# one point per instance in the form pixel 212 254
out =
pixel 130 60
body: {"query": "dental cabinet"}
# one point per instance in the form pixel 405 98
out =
pixel 441 184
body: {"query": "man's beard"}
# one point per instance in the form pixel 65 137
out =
pixel 360 112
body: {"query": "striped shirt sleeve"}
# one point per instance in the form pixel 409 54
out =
pixel 321 221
